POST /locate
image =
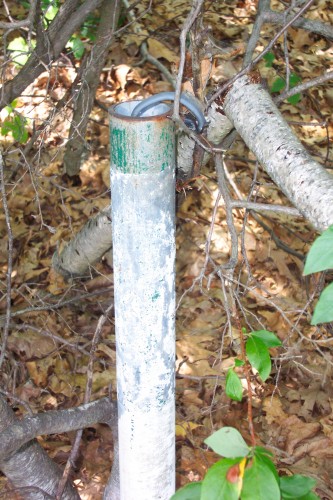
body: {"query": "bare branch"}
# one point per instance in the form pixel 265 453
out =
pixel 222 182
pixel 5 331
pixel 54 422
pixel 26 23
pixel 258 207
pixel 317 27
pixel 49 46
pixel 196 8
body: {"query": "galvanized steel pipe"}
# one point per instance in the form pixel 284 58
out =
pixel 143 225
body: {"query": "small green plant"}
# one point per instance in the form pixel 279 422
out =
pixel 19 47
pixel 269 58
pixel 257 351
pixel 280 83
pixel 320 258
pixel 14 123
pixel 245 473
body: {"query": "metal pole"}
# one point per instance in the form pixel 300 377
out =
pixel 143 225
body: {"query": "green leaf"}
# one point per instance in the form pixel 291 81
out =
pixel 216 485
pixel 278 84
pixel 268 338
pixel 323 312
pixel 77 47
pixel 296 486
pixel 191 491
pixel 17 126
pixel 294 99
pixel 260 451
pixel 259 357
pixel 263 456
pixel 269 58
pixel 228 442
pixel 20 132
pixel 309 496
pixel 239 362
pixel 320 256
pixel 89 27
pixel 233 388
pixel 259 482
pixel 294 80
pixel 50 13
pixel 20 51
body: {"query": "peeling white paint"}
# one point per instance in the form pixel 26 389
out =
pixel 144 256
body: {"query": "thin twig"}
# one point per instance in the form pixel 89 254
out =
pixel 147 57
pixel 249 205
pixel 58 305
pixel 196 7
pixel 5 331
pixel 248 378
pixel 26 23
pixel 230 222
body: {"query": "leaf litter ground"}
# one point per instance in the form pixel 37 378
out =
pixel 49 347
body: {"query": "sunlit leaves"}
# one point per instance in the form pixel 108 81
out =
pixel 320 256
pixel 323 312
pixel 228 442
pixel 191 491
pixel 223 480
pixel 296 486
pixel 260 482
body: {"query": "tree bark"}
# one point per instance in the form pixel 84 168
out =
pixel 89 81
pixel 86 248
pixel 27 465
pixel 31 466
pixel 49 46
pixel 305 182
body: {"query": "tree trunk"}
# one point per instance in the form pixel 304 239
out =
pixel 50 43
pixel 89 81
pixel 30 467
pixel 24 461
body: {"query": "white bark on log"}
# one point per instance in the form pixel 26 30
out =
pixel 258 121
pixel 88 246
pixel 218 128
pixel 31 466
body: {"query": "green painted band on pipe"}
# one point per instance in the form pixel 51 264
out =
pixel 141 145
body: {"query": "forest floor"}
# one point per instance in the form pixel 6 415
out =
pixel 48 347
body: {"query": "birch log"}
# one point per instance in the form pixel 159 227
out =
pixel 307 185
pixel 87 247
